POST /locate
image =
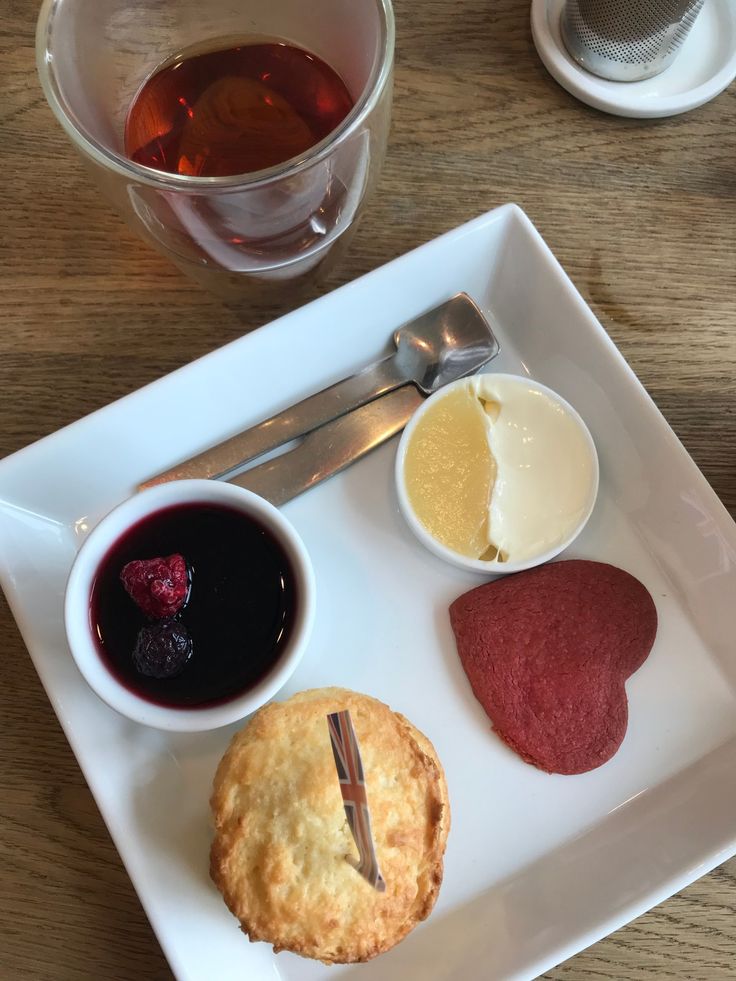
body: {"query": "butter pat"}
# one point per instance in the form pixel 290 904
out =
pixel 449 472
pixel 498 469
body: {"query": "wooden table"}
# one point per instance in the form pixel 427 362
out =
pixel 641 215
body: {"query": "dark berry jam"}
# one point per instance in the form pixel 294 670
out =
pixel 239 613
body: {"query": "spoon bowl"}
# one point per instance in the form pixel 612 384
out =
pixel 444 344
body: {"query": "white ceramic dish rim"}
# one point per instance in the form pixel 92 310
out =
pixel 478 565
pixel 81 578
pixel 624 98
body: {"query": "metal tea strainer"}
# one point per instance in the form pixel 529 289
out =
pixel 627 40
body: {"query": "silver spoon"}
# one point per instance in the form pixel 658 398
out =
pixel 446 343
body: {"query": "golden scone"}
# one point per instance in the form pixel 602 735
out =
pixel 279 856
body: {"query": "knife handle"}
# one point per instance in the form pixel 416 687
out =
pixel 332 447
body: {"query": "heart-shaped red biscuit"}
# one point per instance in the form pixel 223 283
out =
pixel 547 653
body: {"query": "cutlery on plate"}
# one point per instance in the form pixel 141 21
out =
pixel 450 341
pixel 332 447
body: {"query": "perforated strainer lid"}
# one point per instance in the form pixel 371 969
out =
pixel 705 65
pixel 627 40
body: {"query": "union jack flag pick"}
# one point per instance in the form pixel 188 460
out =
pixel 349 766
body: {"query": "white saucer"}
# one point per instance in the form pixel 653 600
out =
pixel 703 68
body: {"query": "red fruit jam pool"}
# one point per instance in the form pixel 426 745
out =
pixel 239 613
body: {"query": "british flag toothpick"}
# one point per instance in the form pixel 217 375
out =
pixel 349 766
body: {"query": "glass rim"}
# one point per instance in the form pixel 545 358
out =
pixel 111 160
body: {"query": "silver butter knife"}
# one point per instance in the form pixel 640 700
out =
pixel 447 342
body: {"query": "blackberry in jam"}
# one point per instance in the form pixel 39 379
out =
pixel 162 649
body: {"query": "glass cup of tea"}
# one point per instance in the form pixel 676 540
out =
pixel 240 138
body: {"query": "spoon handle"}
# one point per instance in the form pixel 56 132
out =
pixel 298 420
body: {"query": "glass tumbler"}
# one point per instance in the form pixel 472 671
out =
pixel 276 226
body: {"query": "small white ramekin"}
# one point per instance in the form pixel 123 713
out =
pixel 79 590
pixel 478 565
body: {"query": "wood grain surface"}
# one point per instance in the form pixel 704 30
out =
pixel 642 216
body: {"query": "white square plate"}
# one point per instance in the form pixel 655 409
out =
pixel 537 866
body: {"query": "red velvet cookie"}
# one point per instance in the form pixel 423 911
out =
pixel 547 653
